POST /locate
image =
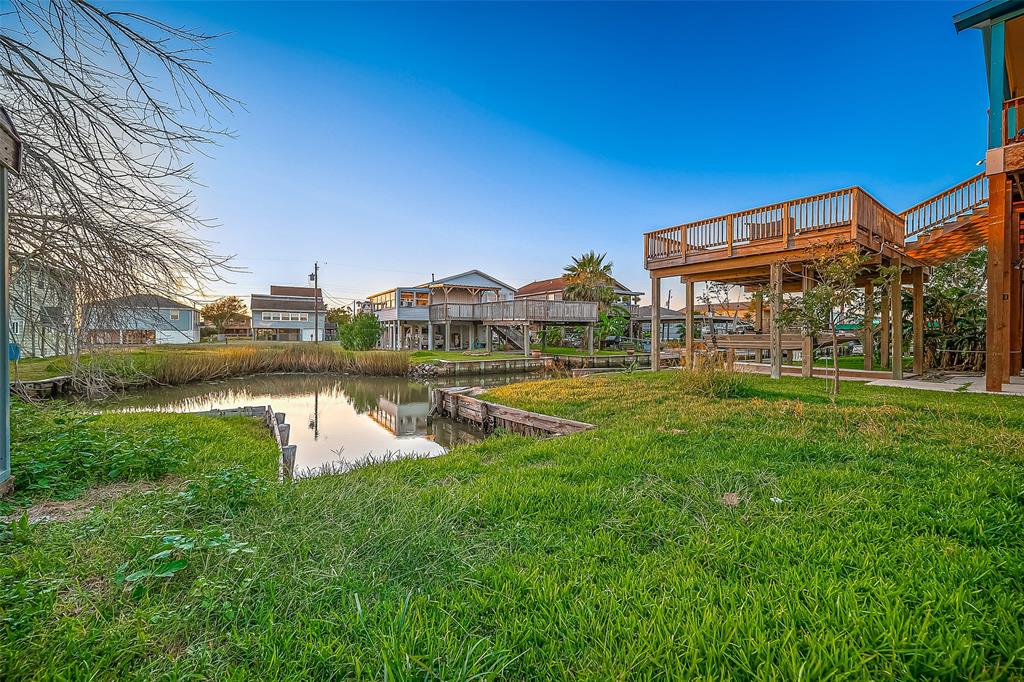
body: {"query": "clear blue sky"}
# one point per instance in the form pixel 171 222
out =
pixel 392 141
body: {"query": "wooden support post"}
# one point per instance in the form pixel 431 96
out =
pixel 655 322
pixel 487 337
pixel 689 324
pixel 807 342
pixel 590 339
pixel 776 308
pixel 730 359
pixel 447 335
pixel 917 277
pixel 869 326
pixel 883 332
pixel 526 340
pixel 758 321
pixel 997 325
pixel 896 301
pixel 430 336
pixel 1016 296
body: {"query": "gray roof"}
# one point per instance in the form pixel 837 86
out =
pixel 293 303
pixel 470 272
pixel 644 313
pixel 144 302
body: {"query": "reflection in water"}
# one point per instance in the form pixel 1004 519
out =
pixel 346 418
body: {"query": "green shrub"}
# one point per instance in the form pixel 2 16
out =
pixel 361 333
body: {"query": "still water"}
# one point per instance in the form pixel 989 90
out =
pixel 332 418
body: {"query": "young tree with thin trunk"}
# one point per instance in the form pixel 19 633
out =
pixel 832 289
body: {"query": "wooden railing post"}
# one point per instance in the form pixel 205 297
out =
pixel 855 196
pixel 787 223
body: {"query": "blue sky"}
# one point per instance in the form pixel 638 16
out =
pixel 392 141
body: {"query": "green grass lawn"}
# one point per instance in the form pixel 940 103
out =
pixel 857 362
pixel 422 356
pixel 764 533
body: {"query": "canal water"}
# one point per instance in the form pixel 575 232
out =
pixel 334 419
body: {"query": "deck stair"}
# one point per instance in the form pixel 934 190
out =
pixel 948 224
pixel 510 335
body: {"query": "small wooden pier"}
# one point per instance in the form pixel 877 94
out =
pixel 50 387
pixel 463 405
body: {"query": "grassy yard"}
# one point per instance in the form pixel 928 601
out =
pixel 857 362
pixel 424 356
pixel 741 529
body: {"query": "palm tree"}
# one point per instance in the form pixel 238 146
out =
pixel 589 278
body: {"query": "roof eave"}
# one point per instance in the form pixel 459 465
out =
pixel 982 15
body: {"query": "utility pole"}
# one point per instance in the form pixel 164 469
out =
pixel 315 279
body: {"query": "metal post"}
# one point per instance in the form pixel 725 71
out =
pixel 316 302
pixel 5 373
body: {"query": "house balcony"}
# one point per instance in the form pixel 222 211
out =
pixel 519 311
pixel 1009 158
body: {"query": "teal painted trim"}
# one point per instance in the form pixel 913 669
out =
pixel 997 84
pixel 986 13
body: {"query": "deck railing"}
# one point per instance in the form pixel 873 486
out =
pixel 1013 120
pixel 775 223
pixel 519 310
pixel 956 202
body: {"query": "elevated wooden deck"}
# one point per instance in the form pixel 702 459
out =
pixel 739 247
pixel 748 241
pixel 520 311
pixel 776 245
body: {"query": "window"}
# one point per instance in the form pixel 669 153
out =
pixel 15 327
pixel 266 316
pixel 422 298
pixel 175 315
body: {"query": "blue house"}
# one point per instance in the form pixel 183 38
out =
pixel 141 319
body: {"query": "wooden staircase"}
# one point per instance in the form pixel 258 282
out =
pixel 949 224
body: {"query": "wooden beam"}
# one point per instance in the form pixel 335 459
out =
pixel 758 321
pixel 807 347
pixel 1016 296
pixel 776 307
pixel 997 323
pixel 689 323
pixel 918 320
pixel 896 301
pixel 869 326
pixel 883 331
pixel 655 322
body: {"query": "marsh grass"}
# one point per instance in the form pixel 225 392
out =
pixel 768 534
pixel 176 366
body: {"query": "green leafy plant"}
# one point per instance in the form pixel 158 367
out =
pixel 361 333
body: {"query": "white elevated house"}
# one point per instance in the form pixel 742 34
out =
pixel 467 312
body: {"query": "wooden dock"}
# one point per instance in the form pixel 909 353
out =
pixel 50 387
pixel 463 405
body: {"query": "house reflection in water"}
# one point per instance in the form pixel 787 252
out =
pixel 406 414
pixel 346 418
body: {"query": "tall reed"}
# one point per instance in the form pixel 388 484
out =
pixel 183 366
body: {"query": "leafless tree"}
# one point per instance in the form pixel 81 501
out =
pixel 111 106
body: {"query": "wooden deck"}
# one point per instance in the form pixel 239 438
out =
pixel 756 237
pixel 775 246
pixel 521 311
